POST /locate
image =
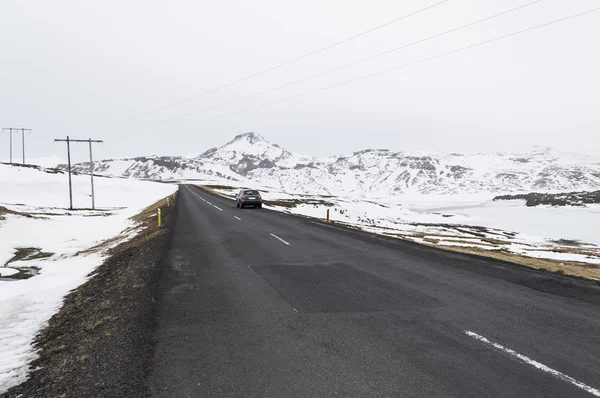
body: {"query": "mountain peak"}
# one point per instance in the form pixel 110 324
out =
pixel 250 137
pixel 247 152
pixel 544 150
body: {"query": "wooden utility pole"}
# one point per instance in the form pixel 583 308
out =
pixel 23 130
pixel 92 173
pixel 89 141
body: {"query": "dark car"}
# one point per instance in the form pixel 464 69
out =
pixel 248 197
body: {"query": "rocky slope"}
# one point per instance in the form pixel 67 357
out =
pixel 555 199
pixel 250 158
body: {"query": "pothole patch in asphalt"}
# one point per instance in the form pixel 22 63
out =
pixel 339 288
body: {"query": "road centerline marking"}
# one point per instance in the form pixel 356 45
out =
pixel 534 363
pixel 237 218
pixel 278 238
pixel 218 208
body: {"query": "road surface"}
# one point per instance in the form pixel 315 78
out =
pixel 255 303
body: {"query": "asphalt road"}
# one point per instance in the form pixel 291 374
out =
pixel 255 303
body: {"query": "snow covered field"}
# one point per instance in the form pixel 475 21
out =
pixel 49 240
pixel 468 221
pixel 564 222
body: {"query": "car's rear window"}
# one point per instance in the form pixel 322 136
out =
pixel 251 192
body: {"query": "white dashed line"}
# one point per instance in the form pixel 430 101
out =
pixel 278 238
pixel 201 198
pixel 535 364
pixel 237 218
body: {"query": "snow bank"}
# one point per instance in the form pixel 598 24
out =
pixel 26 305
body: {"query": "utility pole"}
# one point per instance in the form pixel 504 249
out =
pixel 10 129
pixel 69 169
pixel 89 141
pixel 23 141
pixel 92 174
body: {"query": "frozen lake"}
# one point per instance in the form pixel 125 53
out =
pixel 577 223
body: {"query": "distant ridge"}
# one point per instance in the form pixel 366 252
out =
pixel 250 158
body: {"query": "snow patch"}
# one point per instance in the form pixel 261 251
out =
pixel 27 304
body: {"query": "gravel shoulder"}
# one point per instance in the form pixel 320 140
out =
pixel 100 343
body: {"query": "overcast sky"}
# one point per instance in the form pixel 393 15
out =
pixel 79 67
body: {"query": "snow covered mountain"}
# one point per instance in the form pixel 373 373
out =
pixel 249 158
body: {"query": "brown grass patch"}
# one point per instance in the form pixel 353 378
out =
pixel 424 235
pixel 22 274
pixel 4 211
pixel 459 239
pixel 219 187
pixel 493 241
pixel 29 253
pixel 143 216
pixel 574 250
pixel 146 220
pixel 291 203
pixel 99 322
pixel 575 268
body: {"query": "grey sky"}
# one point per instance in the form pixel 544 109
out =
pixel 78 67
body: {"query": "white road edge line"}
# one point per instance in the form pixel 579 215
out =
pixel 237 218
pixel 278 238
pixel 536 364
pixel 195 194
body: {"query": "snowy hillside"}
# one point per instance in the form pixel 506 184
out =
pixel 371 173
pixel 156 168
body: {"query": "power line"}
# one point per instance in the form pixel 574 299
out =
pixel 340 67
pixel 381 72
pixel 285 63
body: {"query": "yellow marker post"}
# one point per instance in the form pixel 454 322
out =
pixel 159 217
pixel 168 204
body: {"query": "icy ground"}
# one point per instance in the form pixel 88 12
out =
pixel 470 221
pixel 38 219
